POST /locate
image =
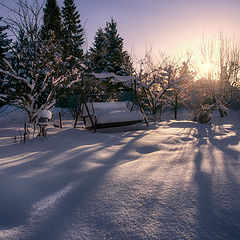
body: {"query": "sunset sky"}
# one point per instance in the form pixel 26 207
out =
pixel 170 26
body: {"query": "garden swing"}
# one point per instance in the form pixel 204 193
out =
pixel 97 115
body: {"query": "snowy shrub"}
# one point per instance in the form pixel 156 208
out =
pixel 202 115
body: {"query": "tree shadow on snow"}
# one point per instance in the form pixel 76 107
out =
pixel 67 160
pixel 215 189
pixel 55 186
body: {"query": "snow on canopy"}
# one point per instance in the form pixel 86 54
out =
pixel 114 77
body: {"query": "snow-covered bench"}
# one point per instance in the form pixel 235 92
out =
pixel 109 114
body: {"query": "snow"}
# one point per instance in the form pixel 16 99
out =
pixel 2 96
pixel 114 77
pixel 172 180
pixel 25 81
pixel 45 114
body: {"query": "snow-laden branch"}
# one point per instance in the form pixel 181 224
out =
pixel 31 86
pixel 155 84
pixel 3 97
pixel 9 66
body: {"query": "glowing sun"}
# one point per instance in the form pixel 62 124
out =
pixel 206 68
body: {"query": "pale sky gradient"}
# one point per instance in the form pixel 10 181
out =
pixel 163 25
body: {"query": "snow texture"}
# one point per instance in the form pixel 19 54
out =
pixel 173 180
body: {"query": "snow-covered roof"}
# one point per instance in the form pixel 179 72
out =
pixel 114 77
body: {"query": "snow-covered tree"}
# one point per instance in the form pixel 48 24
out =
pixel 51 21
pixel 154 84
pixel 223 57
pixel 37 72
pixel 179 93
pixel 229 72
pixel 72 32
pixel 4 41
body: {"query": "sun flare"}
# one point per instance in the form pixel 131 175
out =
pixel 206 69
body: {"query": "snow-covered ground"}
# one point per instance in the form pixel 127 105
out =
pixel 172 180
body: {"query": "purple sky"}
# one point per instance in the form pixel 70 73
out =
pixel 163 25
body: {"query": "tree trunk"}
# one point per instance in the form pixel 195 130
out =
pixel 176 106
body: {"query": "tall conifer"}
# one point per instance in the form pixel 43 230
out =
pixel 107 54
pixel 51 21
pixel 4 47
pixel 114 48
pixel 4 41
pixel 97 52
pixel 72 31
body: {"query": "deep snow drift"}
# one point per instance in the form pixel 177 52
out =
pixel 172 180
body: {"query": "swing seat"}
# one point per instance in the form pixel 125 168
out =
pixel 109 114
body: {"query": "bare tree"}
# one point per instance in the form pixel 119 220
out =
pixel 229 72
pixel 155 82
pixel 178 94
pixel 223 58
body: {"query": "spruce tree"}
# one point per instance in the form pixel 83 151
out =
pixel 107 54
pixel 51 21
pixel 72 31
pixel 97 52
pixel 4 47
pixel 20 61
pixel 114 48
pixel 127 66
pixel 73 40
pixel 4 41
